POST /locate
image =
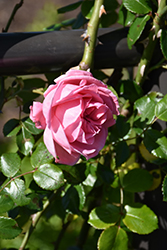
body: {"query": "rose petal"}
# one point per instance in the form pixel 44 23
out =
pixel 64 158
pixel 36 115
pixel 89 151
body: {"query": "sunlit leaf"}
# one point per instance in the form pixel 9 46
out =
pixel 138 6
pixel 113 238
pixel 146 109
pixel 161 109
pixel 136 29
pixel 25 141
pixel 40 156
pixel 140 219
pixel 8 228
pixel 126 17
pixel 49 177
pixel 16 190
pixel 10 164
pixel 29 125
pixel 104 216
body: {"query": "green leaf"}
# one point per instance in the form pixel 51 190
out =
pixel 87 8
pixel 71 201
pixel 140 219
pixel 69 7
pixel 126 17
pixel 113 238
pixel 49 177
pixel 8 228
pixel 29 125
pixel 138 6
pixel 5 203
pixel 74 174
pixel 136 29
pixel 156 143
pixel 81 194
pixel 25 141
pixel 122 153
pixel 108 19
pixel 163 42
pixel 11 128
pixel 104 216
pixel 35 202
pixel 79 22
pixel 164 189
pixel 130 90
pixel 16 191
pixel 161 109
pixel 10 164
pixel 33 83
pixel 146 109
pixel 40 156
pixel 137 180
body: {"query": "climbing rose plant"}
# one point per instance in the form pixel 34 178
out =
pixel 84 152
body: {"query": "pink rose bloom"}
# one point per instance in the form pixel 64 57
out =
pixel 75 116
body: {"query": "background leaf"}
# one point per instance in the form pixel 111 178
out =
pixel 49 177
pixel 114 238
pixel 163 42
pixel 6 203
pixel 11 127
pixel 8 228
pixel 140 219
pixel 69 7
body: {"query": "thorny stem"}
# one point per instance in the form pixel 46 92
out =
pixel 18 176
pixel 35 220
pixel 17 6
pixel 91 35
pixel 143 68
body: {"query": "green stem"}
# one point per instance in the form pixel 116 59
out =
pixel 34 222
pixel 61 234
pixel 17 6
pixel 90 37
pixel 144 64
pixel 18 176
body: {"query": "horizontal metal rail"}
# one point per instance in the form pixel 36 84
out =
pixel 42 52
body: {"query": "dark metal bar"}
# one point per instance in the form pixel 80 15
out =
pixel 41 52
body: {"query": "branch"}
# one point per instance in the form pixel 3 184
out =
pixel 91 35
pixel 144 64
pixel 17 6
pixel 35 220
